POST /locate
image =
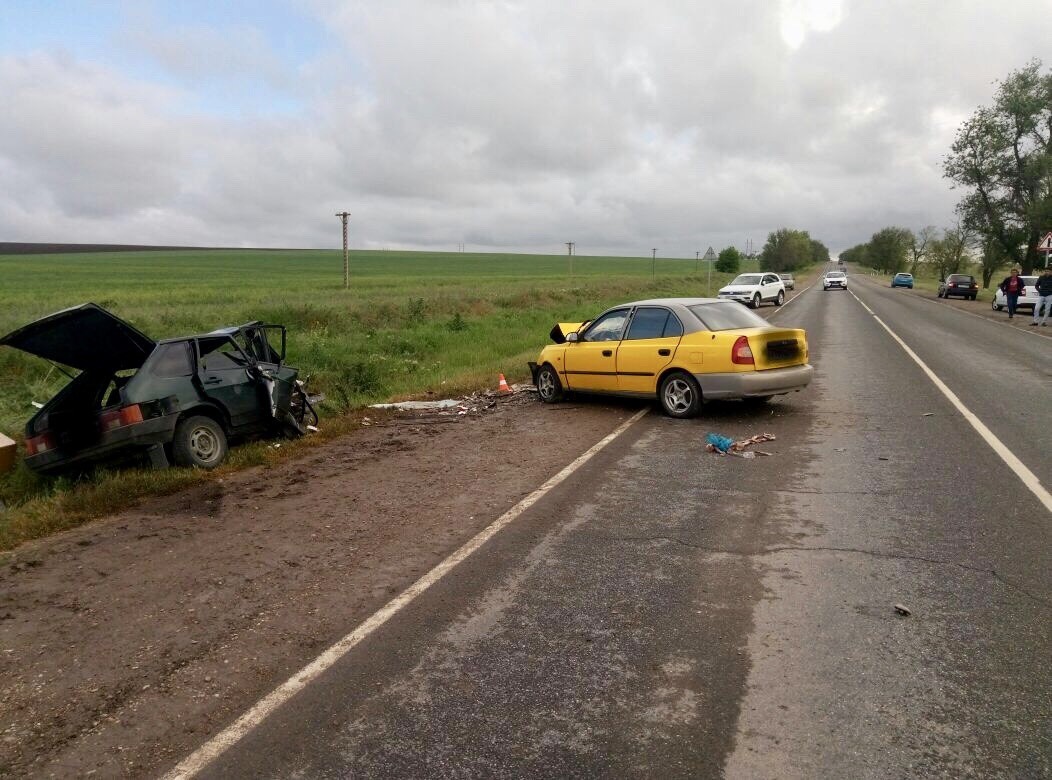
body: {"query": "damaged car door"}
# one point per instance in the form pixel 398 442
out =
pixel 231 379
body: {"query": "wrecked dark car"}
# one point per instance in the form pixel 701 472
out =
pixel 177 399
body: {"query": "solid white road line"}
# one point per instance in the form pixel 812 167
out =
pixel 212 749
pixel 1026 475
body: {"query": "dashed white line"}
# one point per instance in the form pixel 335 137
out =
pixel 216 746
pixel 1027 477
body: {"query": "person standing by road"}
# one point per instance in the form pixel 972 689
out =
pixel 1011 287
pixel 1044 297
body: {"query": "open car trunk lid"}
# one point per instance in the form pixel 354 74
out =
pixel 85 337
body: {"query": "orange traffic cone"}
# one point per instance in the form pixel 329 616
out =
pixel 502 385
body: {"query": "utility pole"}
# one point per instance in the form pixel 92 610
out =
pixel 569 253
pixel 346 264
pixel 697 261
pixel 653 254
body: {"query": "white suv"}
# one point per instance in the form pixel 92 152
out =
pixel 754 289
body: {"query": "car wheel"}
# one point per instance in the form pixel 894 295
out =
pixel 549 388
pixel 780 299
pixel 995 307
pixel 755 302
pixel 200 442
pixel 974 297
pixel 680 395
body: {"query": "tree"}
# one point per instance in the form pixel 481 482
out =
pixel 857 254
pixel 888 249
pixel 786 250
pixel 729 261
pixel 819 252
pixel 950 252
pixel 1002 156
pixel 992 259
pixel 918 250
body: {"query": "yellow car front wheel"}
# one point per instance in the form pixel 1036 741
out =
pixel 549 388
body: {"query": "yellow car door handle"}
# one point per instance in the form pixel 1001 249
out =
pixel 608 353
pixel 664 352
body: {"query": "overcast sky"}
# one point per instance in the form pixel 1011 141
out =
pixel 514 125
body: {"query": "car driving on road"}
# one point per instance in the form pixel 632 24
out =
pixel 755 289
pixel 834 280
pixel 680 350
pixel 178 398
pixel 902 280
pixel 963 285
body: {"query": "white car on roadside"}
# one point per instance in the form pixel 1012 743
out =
pixel 754 289
pixel 1026 300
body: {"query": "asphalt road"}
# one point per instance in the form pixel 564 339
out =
pixel 666 612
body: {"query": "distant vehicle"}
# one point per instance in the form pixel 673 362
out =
pixel 963 285
pixel 180 398
pixel 679 351
pixel 788 281
pixel 902 280
pixel 837 279
pixel 840 262
pixel 1027 298
pixel 754 289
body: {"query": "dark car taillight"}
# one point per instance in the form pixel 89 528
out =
pixel 38 444
pixel 741 352
pixel 118 418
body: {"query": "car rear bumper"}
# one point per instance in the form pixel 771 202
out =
pixel 156 430
pixel 755 384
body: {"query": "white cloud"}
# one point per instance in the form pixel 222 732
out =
pixel 515 125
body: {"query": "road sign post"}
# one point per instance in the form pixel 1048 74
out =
pixel 710 257
pixel 1045 245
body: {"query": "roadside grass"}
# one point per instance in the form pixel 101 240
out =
pixel 413 323
pixel 928 280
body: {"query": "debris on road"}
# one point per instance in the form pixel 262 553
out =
pixel 928 414
pixel 881 457
pixel 724 445
pixel 448 409
pixel 903 610
pixel 412 406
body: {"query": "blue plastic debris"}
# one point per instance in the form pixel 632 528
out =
pixel 721 443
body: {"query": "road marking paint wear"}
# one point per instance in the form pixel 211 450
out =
pixel 1025 475
pixel 217 745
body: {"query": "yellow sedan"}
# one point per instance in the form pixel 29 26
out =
pixel 681 350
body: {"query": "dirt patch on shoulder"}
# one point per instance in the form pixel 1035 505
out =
pixel 125 643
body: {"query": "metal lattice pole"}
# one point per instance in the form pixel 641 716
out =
pixel 346 263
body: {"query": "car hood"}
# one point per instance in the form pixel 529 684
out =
pixel 85 337
pixel 739 288
pixel 561 330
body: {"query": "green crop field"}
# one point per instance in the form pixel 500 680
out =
pixel 412 322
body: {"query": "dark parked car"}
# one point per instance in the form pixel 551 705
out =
pixel 963 285
pixel 177 398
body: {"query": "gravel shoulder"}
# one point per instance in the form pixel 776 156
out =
pixel 126 642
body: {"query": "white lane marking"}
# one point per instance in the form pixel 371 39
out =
pixel 782 307
pixel 215 747
pixel 1025 475
pixel 969 313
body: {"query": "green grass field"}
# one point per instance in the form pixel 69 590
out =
pixel 412 322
